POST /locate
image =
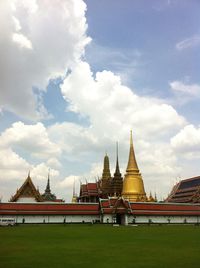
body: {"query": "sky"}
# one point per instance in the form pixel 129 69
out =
pixel 76 77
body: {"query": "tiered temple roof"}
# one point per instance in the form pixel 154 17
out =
pixel 186 191
pixel 27 191
pixel 89 192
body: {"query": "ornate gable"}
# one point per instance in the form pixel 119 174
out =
pixel 121 206
pixel 27 190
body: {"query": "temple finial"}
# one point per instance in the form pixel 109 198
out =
pixel 29 174
pixel 131 138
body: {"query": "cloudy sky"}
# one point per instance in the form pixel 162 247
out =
pixel 76 76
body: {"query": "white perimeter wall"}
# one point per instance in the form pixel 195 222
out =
pixel 126 219
pixel 163 219
pixel 131 219
pixel 54 218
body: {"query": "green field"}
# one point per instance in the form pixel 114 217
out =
pixel 71 246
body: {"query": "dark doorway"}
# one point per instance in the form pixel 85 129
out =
pixel 118 218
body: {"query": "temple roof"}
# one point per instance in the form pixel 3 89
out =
pixel 49 209
pixel 89 189
pixel 186 191
pixel 27 190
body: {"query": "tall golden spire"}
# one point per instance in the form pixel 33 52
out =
pixel 133 187
pixel 132 164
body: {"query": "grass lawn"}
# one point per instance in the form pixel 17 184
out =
pixel 76 246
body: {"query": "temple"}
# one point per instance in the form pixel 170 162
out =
pixel 28 193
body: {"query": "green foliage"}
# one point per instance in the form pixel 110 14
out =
pixel 74 246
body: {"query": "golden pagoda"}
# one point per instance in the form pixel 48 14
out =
pixel 133 187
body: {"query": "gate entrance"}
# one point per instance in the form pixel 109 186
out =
pixel 118 218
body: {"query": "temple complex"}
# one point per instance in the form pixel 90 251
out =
pixel 131 188
pixel 111 199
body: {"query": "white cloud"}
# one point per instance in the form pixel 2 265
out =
pixel 22 40
pixel 39 40
pixel 188 43
pixel 183 92
pixel 114 109
pixel 187 89
pixel 40 172
pixel 12 166
pixel 69 181
pixel 53 163
pixel 187 141
pixel 31 138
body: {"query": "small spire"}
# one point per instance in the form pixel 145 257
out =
pixel 29 174
pixel 48 190
pixel 117 171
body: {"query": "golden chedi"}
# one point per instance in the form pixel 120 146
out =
pixel 133 187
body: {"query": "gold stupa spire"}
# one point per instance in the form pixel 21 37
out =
pixel 132 164
pixel 133 187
